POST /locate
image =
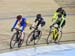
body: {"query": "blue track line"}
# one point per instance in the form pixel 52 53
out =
pixel 34 16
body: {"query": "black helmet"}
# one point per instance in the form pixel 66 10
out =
pixel 19 17
pixel 38 15
pixel 59 9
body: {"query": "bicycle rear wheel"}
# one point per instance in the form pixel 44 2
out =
pixel 29 38
pixel 13 40
pixel 37 38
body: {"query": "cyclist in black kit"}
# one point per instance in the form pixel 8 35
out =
pixel 40 22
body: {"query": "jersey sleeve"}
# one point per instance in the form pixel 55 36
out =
pixel 55 16
pixel 15 23
pixel 62 20
pixel 36 20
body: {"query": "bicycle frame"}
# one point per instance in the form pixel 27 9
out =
pixel 35 37
pixel 17 35
pixel 35 29
pixel 55 33
pixel 17 32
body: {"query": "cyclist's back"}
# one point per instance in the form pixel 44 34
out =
pixel 61 11
pixel 40 21
pixel 22 22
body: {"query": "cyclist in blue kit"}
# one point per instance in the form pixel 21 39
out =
pixel 20 23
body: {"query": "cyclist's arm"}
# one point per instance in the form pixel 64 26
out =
pixel 34 23
pixel 15 23
pixel 36 20
pixel 64 14
pixel 62 21
pixel 23 28
pixel 54 16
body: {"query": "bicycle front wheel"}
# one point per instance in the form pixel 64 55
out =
pixel 29 38
pixel 13 40
pixel 49 37
pixel 32 38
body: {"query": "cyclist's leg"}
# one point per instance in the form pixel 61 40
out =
pixel 63 24
pixel 59 31
pixel 23 32
pixel 17 27
pixel 61 27
pixel 21 28
pixel 21 36
pixel 40 27
pixel 38 30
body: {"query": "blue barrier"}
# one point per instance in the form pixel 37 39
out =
pixel 54 50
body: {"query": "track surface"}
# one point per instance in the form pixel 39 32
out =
pixel 9 11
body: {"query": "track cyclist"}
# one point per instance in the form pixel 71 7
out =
pixel 39 22
pixel 20 23
pixel 59 18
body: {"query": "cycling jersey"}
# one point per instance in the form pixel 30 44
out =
pixel 61 21
pixel 22 23
pixel 40 21
pixel 55 16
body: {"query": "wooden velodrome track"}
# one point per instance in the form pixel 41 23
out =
pixel 10 8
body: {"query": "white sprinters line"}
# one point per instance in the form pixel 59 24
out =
pixel 42 51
